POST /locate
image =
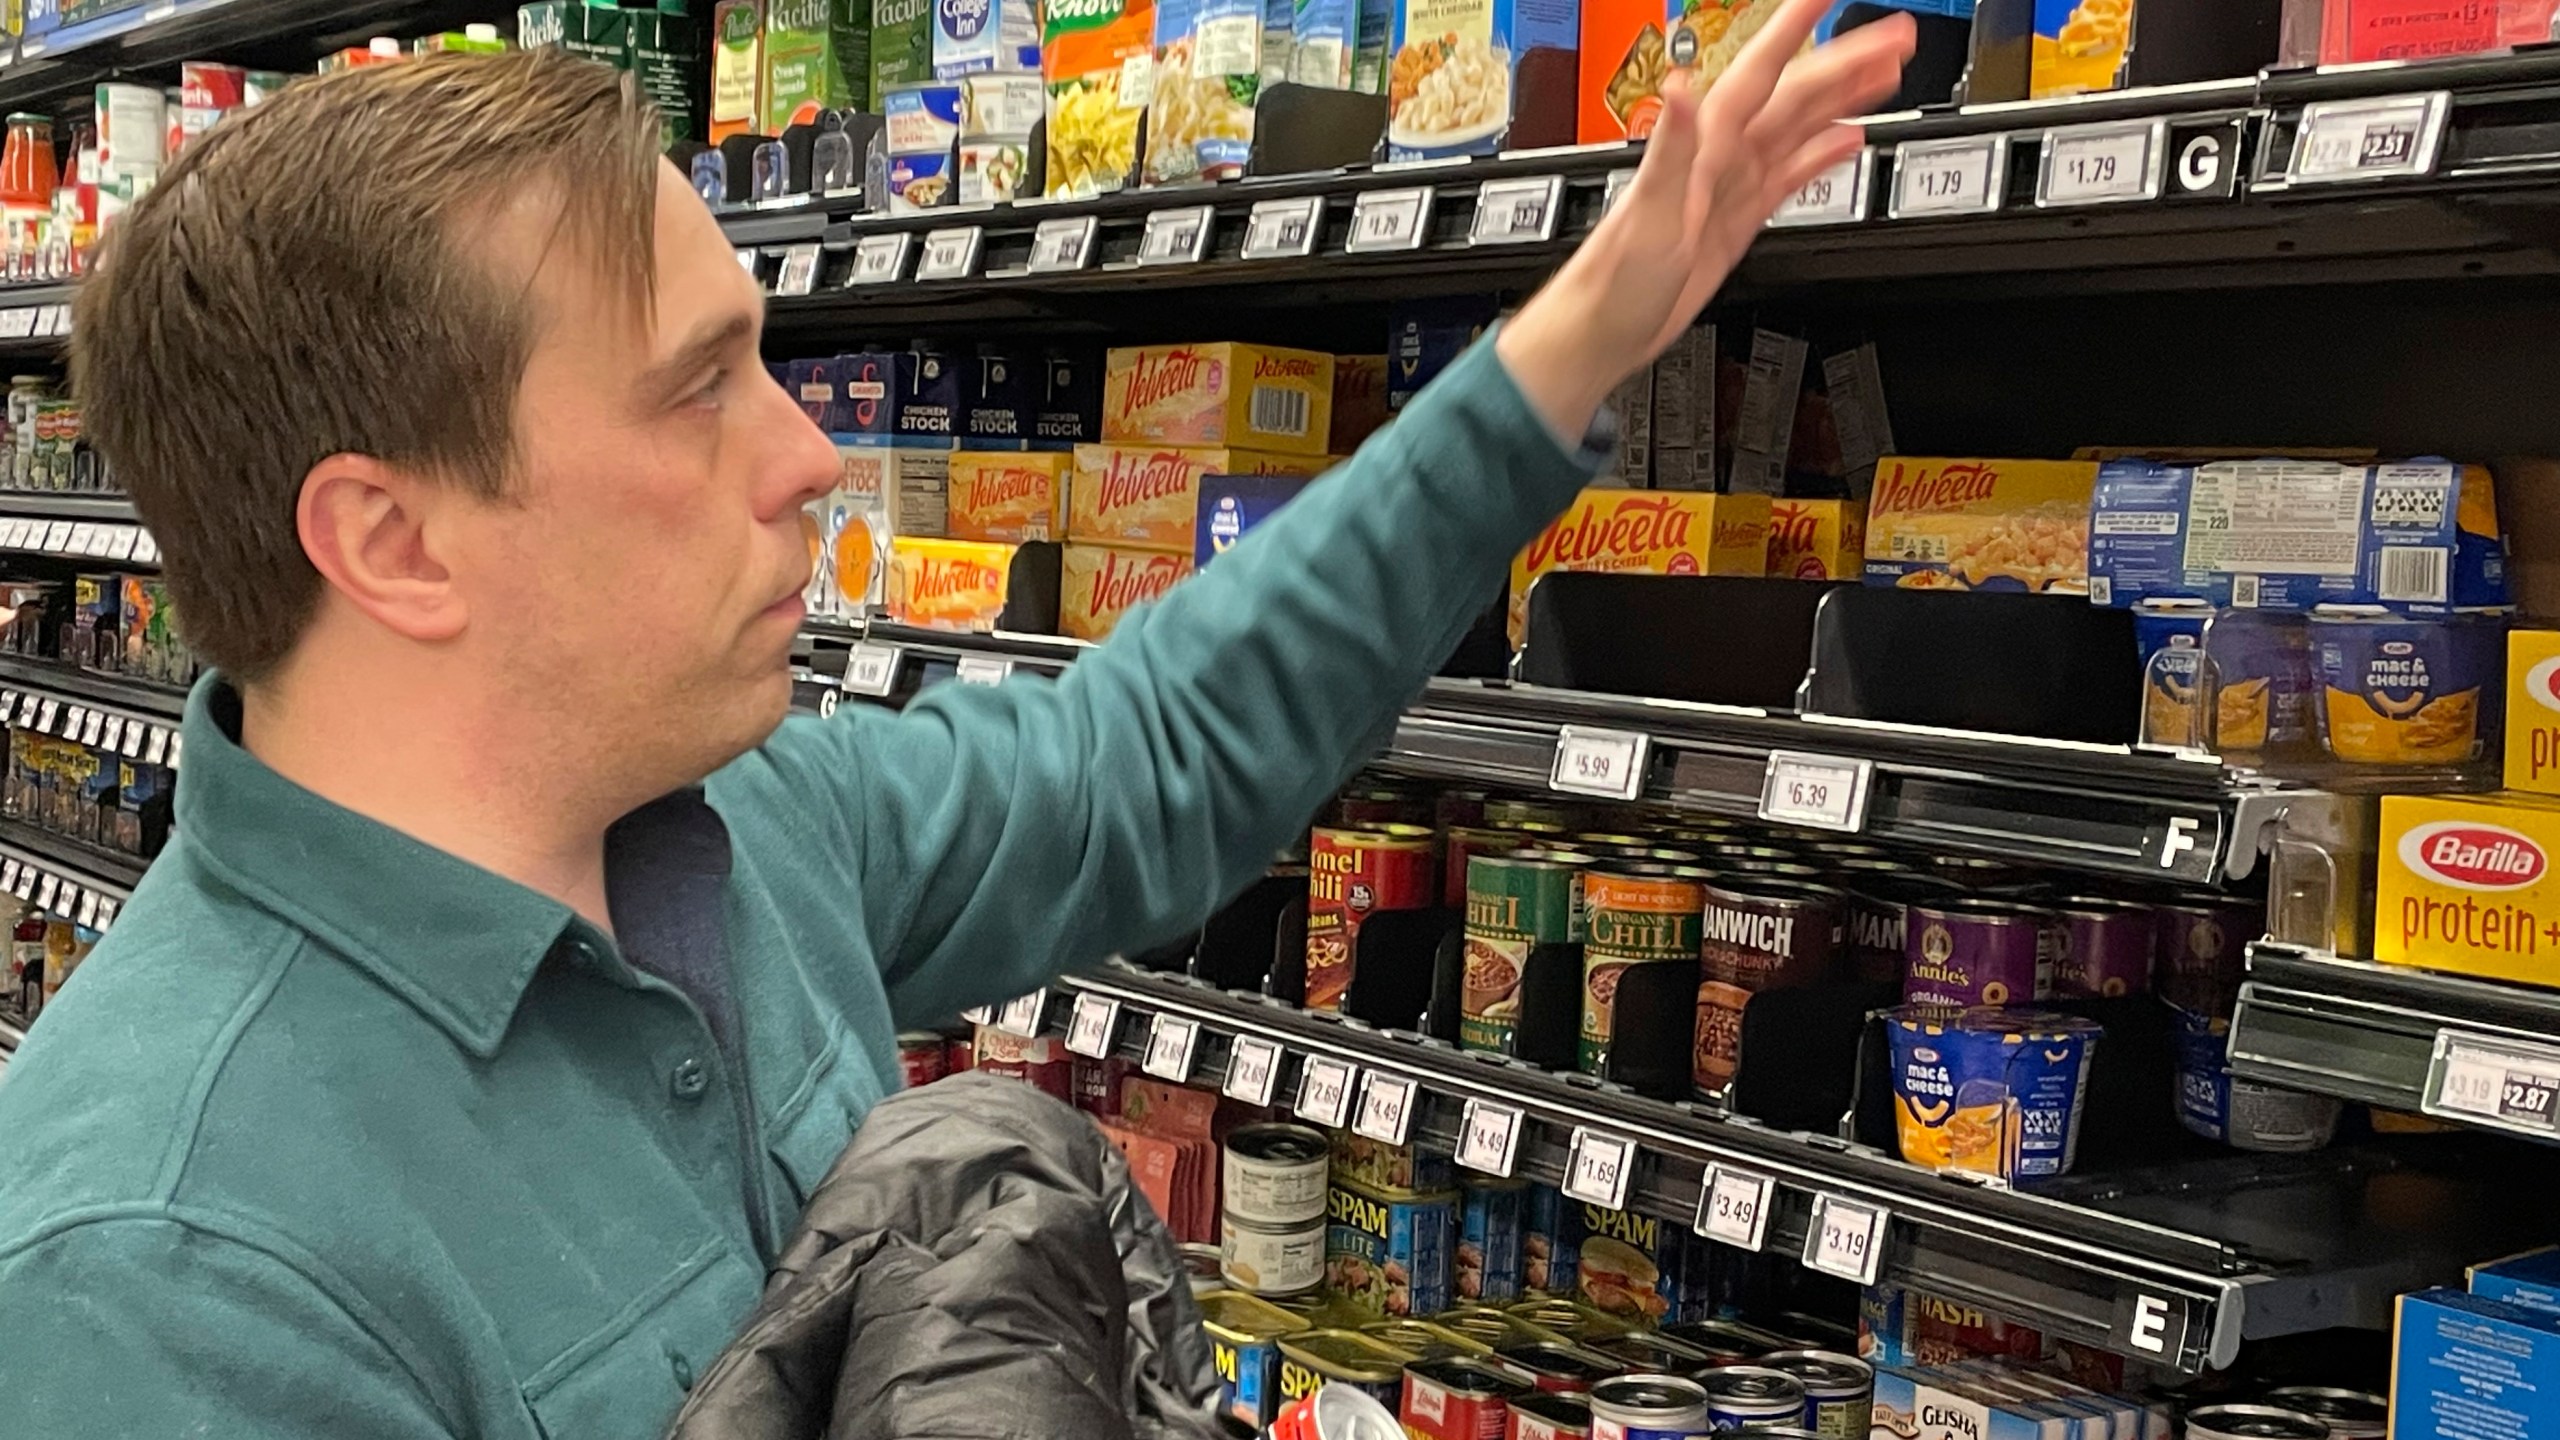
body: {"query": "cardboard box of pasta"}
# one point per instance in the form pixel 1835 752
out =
pixel 1817 539
pixel 973 585
pixel 1253 397
pixel 1645 532
pixel 2533 711
pixel 2014 525
pixel 1149 495
pixel 1008 495
pixel 1100 583
pixel 2465 883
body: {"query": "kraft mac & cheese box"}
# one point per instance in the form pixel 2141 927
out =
pixel 1817 539
pixel 1254 397
pixel 2533 711
pixel 2531 1280
pixel 1100 583
pixel 2079 46
pixel 1149 495
pixel 2014 525
pixel 1230 505
pixel 2419 538
pixel 1008 496
pixel 2465 883
pixel 1644 532
pixel 1472 77
pixel 2464 1366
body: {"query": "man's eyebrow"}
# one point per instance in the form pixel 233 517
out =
pixel 660 381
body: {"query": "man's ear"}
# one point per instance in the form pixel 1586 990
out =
pixel 367 528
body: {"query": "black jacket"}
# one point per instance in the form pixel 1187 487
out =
pixel 977 1265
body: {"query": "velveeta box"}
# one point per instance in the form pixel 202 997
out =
pixel 1817 539
pixel 2533 711
pixel 1252 397
pixel 1101 582
pixel 948 584
pixel 1008 496
pixel 2464 883
pixel 1149 495
pixel 1645 532
pixel 2014 525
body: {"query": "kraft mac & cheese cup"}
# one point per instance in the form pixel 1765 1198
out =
pixel 2257 667
pixel 2242 1115
pixel 2399 691
pixel 2171 636
pixel 1995 1092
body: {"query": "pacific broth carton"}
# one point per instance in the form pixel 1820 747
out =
pixel 817 56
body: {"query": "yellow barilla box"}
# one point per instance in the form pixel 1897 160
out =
pixel 2464 883
pixel 1149 495
pixel 2533 711
pixel 948 584
pixel 1645 532
pixel 2015 525
pixel 1101 582
pixel 1008 496
pixel 1817 539
pixel 1251 397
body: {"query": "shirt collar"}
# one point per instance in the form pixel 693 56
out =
pixel 458 942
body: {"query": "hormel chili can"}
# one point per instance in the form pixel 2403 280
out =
pixel 1517 905
pixel 1460 844
pixel 1458 1399
pixel 1548 1415
pixel 1757 936
pixel 1380 805
pixel 924 1055
pixel 1640 975
pixel 1962 953
pixel 2105 947
pixel 1352 875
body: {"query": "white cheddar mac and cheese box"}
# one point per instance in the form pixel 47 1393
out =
pixel 1473 77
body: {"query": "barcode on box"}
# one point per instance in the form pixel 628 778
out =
pixel 2412 572
pixel 1279 412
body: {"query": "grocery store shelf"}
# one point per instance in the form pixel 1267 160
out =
pixel 2176 1265
pixel 279 34
pixel 34 319
pixel 130 695
pixel 48 524
pixel 63 875
pixel 63 505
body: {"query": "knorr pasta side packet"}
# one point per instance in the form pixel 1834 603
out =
pixel 1208 71
pixel 1097 58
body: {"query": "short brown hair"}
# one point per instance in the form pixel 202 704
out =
pixel 302 284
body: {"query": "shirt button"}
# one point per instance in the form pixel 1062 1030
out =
pixel 683 1370
pixel 689 1080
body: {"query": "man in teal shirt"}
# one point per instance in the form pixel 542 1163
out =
pixel 460 1066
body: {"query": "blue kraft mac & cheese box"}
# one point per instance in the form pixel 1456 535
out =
pixel 2531 1280
pixel 2468 1368
pixel 1230 505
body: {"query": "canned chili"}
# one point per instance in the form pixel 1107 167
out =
pixel 1352 875
pixel 1640 975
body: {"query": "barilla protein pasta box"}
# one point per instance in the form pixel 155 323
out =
pixel 948 584
pixel 1253 397
pixel 2465 883
pixel 1008 496
pixel 2014 525
pixel 1149 495
pixel 1472 77
pixel 1102 582
pixel 2533 711
pixel 1645 532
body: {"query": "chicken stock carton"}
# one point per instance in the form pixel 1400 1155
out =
pixel 897 408
pixel 2013 525
pixel 1644 532
pixel 974 35
pixel 1817 539
pixel 1067 411
pixel 1102 582
pixel 1149 495
pixel 2464 883
pixel 1246 396
pixel 1008 496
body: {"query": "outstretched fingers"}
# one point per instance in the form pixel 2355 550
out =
pixel 1846 77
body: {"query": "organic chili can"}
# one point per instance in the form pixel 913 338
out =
pixel 1517 904
pixel 1640 975
pixel 1457 1399
pixel 1757 936
pixel 1353 874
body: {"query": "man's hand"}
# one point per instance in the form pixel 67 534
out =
pixel 1714 171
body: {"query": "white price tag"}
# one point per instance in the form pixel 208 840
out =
pixel 146 550
pixel 102 542
pixel 2103 164
pixel 177 742
pixel 1846 1239
pixel 1063 242
pixel 89 726
pixel 1619 180
pixel 14 535
pixel 1283 229
pixel 1733 1206
pixel 2508 1084
pixel 2393 137
pixel 1253 1070
pixel 1023 1014
pixel 1950 177
pixel 9 876
pixel 983 669
pixel 1324 1091
pixel 27 709
pixel 1176 237
pixel 112 738
pixel 1820 792
pixel 61 320
pixel 127 537
pixel 1517 211
pixel 57 536
pixel 1386 1109
pixel 46 714
pixel 799 272
pixel 1837 196
pixel 26 886
pixel 979 1014
pixel 158 753
pixel 1489 1138
pixel 82 536
pixel 107 911
pixel 47 886
pixel 134 734
pixel 88 909
pixel 747 259
pixel 871 669
pixel 880 259
pixel 1170 1042
pixel 17 324
pixel 1597 1168
pixel 71 718
pixel 1384 221
pixel 950 254
pixel 1090 1027
pixel 1606 763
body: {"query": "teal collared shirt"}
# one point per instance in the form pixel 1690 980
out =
pixel 337 1135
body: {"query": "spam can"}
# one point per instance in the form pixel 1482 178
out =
pixel 1488 1260
pixel 1353 874
pixel 1561 1369
pixel 1427 1339
pixel 1640 975
pixel 1492 1326
pixel 1840 1390
pixel 1550 1415
pixel 1457 1399
pixel 1518 904
pixel 1313 1359
pixel 1244 1341
pixel 1389 1255
pixel 1744 1397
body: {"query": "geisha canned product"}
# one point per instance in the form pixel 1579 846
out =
pixel 1741 1397
pixel 1962 953
pixel 1640 975
pixel 1648 1407
pixel 1458 1399
pixel 1352 875
pixel 1992 1091
pixel 1840 1390
pixel 2103 947
pixel 1756 936
pixel 1276 1174
pixel 1524 913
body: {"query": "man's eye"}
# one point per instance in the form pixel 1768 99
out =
pixel 708 392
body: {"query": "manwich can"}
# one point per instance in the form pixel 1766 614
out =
pixel 1518 905
pixel 1352 875
pixel 1640 975
pixel 1840 1390
pixel 1648 1407
pixel 1758 935
pixel 1744 1397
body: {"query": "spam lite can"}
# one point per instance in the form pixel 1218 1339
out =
pixel 1353 874
pixel 1516 906
pixel 1640 975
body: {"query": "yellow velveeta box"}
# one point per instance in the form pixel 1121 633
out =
pixel 2533 710
pixel 2016 525
pixel 1101 582
pixel 948 584
pixel 2464 883
pixel 1008 496
pixel 1645 532
pixel 1149 495
pixel 1248 396
pixel 1817 539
